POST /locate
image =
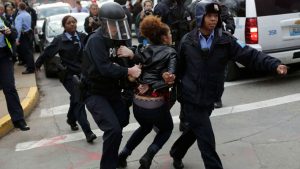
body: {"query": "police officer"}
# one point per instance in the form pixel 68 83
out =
pixel 203 55
pixel 229 27
pixel 32 13
pixel 24 38
pixel 7 80
pixel 69 45
pixel 102 77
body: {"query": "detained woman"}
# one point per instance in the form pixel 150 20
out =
pixel 151 99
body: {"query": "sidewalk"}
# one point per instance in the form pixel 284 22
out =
pixel 28 93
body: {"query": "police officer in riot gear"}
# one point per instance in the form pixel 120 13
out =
pixel 203 55
pixel 102 77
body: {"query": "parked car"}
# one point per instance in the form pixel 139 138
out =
pixel 46 10
pixel 51 28
pixel 271 26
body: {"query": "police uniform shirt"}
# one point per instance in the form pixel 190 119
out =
pixel 22 22
pixel 206 42
pixel 2 38
pixel 77 40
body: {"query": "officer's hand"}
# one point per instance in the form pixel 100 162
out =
pixel 123 51
pixel 37 69
pixel 7 31
pixel 135 71
pixel 282 69
pixel 168 77
pixel 17 42
pixel 143 88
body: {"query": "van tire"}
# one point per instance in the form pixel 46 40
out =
pixel 233 72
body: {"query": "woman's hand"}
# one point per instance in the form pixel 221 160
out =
pixel 169 78
pixel 123 51
pixel 143 88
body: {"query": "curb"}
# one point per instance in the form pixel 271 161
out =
pixel 27 104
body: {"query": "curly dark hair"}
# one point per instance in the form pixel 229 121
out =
pixel 153 28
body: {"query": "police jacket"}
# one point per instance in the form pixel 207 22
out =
pixel 155 60
pixel 201 74
pixel 70 52
pixel 11 37
pixel 101 74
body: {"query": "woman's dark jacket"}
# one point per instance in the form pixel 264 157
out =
pixel 155 60
pixel 70 52
pixel 201 74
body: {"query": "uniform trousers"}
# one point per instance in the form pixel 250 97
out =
pixel 111 114
pixel 25 50
pixel 147 118
pixel 199 129
pixel 77 109
pixel 7 81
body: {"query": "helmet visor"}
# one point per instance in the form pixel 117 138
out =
pixel 116 29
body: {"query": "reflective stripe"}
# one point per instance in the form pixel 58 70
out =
pixel 6 40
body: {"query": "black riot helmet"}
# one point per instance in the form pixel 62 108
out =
pixel 114 21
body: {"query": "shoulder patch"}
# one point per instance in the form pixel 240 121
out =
pixel 242 44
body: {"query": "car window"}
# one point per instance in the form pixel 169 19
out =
pixel 276 7
pixel 45 12
pixel 236 7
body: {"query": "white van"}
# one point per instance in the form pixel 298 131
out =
pixel 272 26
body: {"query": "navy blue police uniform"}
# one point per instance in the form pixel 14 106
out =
pixel 102 79
pixel 201 76
pixel 7 80
pixel 23 26
pixel 70 50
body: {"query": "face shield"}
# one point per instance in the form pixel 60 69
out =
pixel 116 29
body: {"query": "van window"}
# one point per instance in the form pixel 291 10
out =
pixel 276 7
pixel 236 7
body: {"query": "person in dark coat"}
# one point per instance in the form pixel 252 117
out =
pixel 203 55
pixel 229 27
pixel 7 80
pixel 69 46
pixel 8 15
pixel 151 100
pixel 102 78
pixel 136 9
pixel 92 22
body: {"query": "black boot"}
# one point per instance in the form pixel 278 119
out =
pixel 122 158
pixel 177 163
pixel 146 159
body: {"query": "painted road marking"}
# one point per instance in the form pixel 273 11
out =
pixel 63 109
pixel 133 126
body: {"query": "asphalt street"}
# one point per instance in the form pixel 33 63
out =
pixel 258 128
